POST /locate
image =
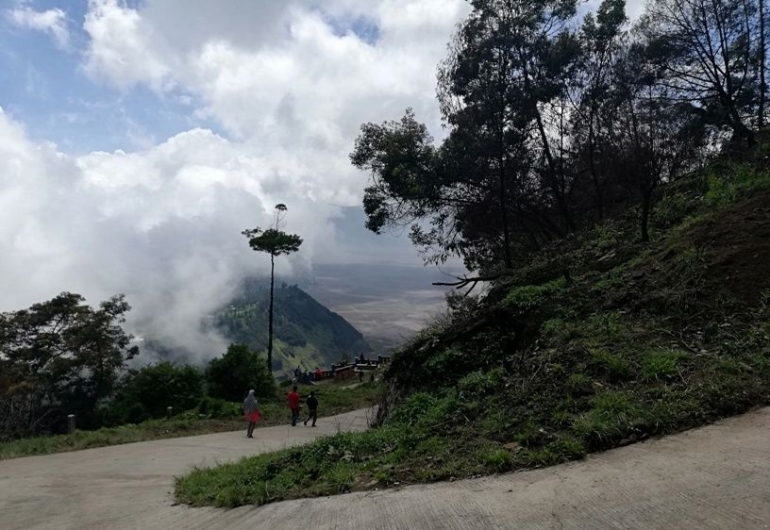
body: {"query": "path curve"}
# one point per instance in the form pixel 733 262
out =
pixel 717 477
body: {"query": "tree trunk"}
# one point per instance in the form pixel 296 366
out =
pixel 646 200
pixel 270 317
pixel 506 230
pixel 762 51
pixel 592 166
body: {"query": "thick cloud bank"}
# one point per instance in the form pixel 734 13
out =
pixel 162 225
pixel 286 86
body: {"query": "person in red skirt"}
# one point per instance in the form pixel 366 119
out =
pixel 251 412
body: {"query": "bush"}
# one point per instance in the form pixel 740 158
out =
pixel 219 408
pixel 612 416
pixel 660 364
pixel 147 392
pixel 231 376
pixel 480 384
pixel 531 296
pixel 610 365
pixel 728 187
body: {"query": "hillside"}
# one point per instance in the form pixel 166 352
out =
pixel 306 333
pixel 637 340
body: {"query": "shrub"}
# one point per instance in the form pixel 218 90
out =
pixel 578 383
pixel 531 296
pixel 498 459
pixel 727 187
pixel 612 416
pixel 610 364
pixel 480 384
pixel 147 392
pixel 231 376
pixel 606 326
pixel 660 364
pixel 219 408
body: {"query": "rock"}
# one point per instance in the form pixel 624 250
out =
pixel 633 438
pixel 512 446
pixel 596 385
pixel 624 442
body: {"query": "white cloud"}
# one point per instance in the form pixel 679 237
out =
pixel 161 225
pixel 288 87
pixel 121 48
pixel 52 21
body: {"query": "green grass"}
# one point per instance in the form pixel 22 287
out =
pixel 735 182
pixel 531 296
pixel 149 430
pixel 333 399
pixel 660 365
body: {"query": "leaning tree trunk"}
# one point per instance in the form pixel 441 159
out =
pixel 270 317
pixel 762 52
pixel 645 220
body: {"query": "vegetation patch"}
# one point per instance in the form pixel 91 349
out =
pixel 492 392
pixel 210 416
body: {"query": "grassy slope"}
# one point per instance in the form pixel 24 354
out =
pixel 647 340
pixel 334 399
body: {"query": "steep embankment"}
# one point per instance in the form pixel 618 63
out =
pixel 306 333
pixel 636 341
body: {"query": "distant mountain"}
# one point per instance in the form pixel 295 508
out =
pixel 306 333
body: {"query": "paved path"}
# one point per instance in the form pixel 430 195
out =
pixel 717 477
pixel 131 486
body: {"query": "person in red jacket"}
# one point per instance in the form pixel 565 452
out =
pixel 293 398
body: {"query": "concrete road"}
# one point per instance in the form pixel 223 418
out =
pixel 717 477
pixel 131 486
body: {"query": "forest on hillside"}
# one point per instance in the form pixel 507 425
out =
pixel 307 333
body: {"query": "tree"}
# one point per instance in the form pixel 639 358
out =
pixel 706 48
pixel 656 137
pixel 761 60
pixel 275 242
pixel 594 114
pixel 238 371
pixel 62 356
pixel 146 393
pixel 479 194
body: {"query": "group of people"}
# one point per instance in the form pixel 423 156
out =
pixel 306 376
pixel 253 413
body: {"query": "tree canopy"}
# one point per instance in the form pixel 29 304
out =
pixel 273 241
pixel 555 120
pixel 239 370
pixel 59 357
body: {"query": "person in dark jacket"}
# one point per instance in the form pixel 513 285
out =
pixel 312 408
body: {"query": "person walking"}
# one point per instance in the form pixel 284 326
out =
pixel 251 412
pixel 312 408
pixel 293 398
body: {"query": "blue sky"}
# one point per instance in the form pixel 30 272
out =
pixel 48 90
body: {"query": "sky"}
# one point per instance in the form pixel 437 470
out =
pixel 138 138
